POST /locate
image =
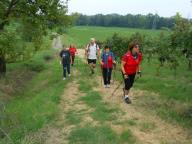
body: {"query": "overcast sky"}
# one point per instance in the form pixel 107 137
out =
pixel 164 8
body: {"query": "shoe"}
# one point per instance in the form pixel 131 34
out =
pixel 69 75
pixel 64 78
pixel 127 100
pixel 105 86
pixel 108 86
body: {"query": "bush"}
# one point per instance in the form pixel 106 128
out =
pixel 35 66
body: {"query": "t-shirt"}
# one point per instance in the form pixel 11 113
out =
pixel 92 51
pixel 72 51
pixel 131 62
pixel 65 55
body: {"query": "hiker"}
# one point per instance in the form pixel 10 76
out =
pixel 91 52
pixel 107 61
pixel 130 66
pixel 65 61
pixel 73 52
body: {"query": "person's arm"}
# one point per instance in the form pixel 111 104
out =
pixel 76 51
pixel 98 52
pixel 86 52
pixel 113 57
pixel 123 69
pixel 60 54
pixel 101 60
pixel 70 58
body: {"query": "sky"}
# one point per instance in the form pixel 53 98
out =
pixel 165 8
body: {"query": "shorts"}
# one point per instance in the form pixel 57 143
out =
pixel 93 61
pixel 129 81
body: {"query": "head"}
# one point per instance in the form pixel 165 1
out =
pixel 64 48
pixel 134 47
pixel 107 48
pixel 92 40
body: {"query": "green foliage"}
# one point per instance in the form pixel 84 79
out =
pixel 129 20
pixel 33 18
pixel 36 105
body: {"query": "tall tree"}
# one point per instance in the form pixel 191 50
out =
pixel 36 14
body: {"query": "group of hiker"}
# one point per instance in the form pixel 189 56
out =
pixel 130 63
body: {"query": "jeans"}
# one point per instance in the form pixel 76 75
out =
pixel 66 69
pixel 107 75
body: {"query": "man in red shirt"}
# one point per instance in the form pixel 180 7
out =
pixel 130 66
pixel 73 51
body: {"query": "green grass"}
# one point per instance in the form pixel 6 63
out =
pixel 34 107
pixel 146 126
pixel 73 118
pixel 99 135
pixel 93 135
pixel 127 137
pixel 80 35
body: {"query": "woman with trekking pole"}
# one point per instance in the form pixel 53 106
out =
pixel 130 67
pixel 107 61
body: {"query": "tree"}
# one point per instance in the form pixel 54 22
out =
pixel 38 15
pixel 181 37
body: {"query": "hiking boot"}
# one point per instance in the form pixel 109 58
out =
pixel 64 78
pixel 127 100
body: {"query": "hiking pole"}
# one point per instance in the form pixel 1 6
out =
pixel 138 75
pixel 112 94
pixel 114 73
pixel 101 74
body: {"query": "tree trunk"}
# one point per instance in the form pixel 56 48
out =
pixel 2 66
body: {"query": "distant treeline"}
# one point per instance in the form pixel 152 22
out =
pixel 133 21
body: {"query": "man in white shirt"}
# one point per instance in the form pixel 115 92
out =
pixel 91 52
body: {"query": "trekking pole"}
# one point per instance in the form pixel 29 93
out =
pixel 114 73
pixel 101 74
pixel 114 91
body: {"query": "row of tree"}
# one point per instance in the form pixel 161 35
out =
pixel 167 47
pixel 26 22
pixel 133 21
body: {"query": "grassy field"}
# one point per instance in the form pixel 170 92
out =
pixel 33 96
pixel 80 35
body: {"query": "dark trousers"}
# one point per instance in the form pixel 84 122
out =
pixel 107 75
pixel 129 81
pixel 66 69
pixel 73 59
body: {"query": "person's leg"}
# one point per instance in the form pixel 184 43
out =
pixel 73 58
pixel 109 76
pixel 105 76
pixel 64 70
pixel 127 89
pixel 68 69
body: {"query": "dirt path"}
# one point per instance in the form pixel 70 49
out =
pixel 147 127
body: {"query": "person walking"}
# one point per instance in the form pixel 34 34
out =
pixel 65 61
pixel 130 66
pixel 107 61
pixel 73 52
pixel 92 51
